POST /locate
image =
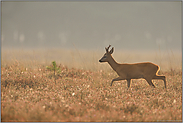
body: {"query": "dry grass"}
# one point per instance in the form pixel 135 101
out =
pixel 30 94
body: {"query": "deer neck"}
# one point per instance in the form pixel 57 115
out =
pixel 113 63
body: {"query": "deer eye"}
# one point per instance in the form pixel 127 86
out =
pixel 105 56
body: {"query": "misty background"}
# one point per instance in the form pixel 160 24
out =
pixel 75 33
pixel 92 25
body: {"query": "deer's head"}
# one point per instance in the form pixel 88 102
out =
pixel 107 55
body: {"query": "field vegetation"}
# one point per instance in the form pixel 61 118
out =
pixel 82 90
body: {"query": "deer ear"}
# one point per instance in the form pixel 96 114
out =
pixel 111 51
pixel 106 50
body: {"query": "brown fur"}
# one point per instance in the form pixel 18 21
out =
pixel 146 70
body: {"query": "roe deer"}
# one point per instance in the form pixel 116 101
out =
pixel 146 70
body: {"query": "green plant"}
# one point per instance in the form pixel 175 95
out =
pixel 53 68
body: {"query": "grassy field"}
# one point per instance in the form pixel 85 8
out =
pixel 82 91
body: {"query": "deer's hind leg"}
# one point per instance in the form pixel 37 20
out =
pixel 160 77
pixel 149 81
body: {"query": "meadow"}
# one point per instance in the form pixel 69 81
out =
pixel 82 91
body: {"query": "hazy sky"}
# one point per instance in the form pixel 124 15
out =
pixel 88 25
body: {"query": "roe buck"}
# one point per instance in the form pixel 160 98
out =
pixel 145 70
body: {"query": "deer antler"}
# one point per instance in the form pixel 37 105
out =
pixel 107 48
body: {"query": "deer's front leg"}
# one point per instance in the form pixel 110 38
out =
pixel 117 79
pixel 128 82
